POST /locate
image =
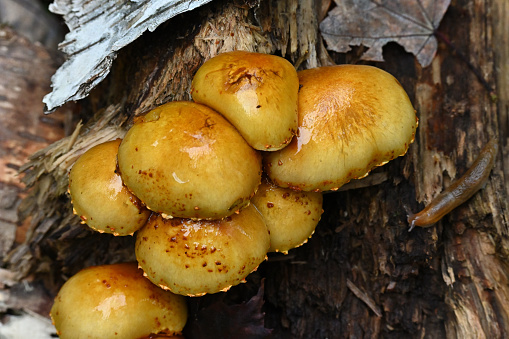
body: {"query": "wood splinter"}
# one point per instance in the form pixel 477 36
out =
pixel 364 297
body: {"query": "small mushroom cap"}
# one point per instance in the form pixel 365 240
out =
pixel 291 216
pixel 352 118
pixel 98 195
pixel 185 160
pixel 256 92
pixel 198 257
pixel 116 301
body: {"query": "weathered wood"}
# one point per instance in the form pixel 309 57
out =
pixel 458 117
pixel 26 69
pixel 446 281
pixel 500 41
pixel 151 71
pixel 98 30
pixel 362 274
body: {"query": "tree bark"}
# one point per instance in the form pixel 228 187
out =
pixel 26 69
pixel 449 280
pixel 362 274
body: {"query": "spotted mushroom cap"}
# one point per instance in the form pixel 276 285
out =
pixel 256 92
pixel 291 216
pixel 98 195
pixel 185 160
pixel 351 119
pixel 116 301
pixel 205 256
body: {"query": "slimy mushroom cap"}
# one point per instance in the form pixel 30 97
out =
pixel 256 92
pixel 98 195
pixel 195 257
pixel 185 160
pixel 352 118
pixel 291 216
pixel 116 301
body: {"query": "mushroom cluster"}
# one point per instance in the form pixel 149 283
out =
pixel 240 171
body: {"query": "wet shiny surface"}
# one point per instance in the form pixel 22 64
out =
pixel 196 257
pixel 99 196
pixel 189 162
pixel 351 119
pixel 460 190
pixel 291 216
pixel 111 304
pixel 256 92
pixel 115 301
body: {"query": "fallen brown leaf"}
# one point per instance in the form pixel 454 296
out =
pixel 374 23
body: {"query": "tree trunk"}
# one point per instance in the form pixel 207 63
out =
pixel 362 274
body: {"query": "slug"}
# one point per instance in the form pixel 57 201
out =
pixel 460 190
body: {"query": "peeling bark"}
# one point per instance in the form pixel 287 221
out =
pixel 362 274
pixel 26 69
pixel 98 30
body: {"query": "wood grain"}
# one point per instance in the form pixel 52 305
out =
pixel 26 69
pixel 447 281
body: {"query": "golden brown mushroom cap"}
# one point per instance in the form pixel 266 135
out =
pixel 256 92
pixel 185 160
pixel 98 195
pixel 351 119
pixel 207 256
pixel 291 216
pixel 115 301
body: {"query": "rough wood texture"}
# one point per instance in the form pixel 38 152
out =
pixel 362 274
pixel 98 30
pixel 446 281
pixel 26 69
pixel 500 39
pixel 151 71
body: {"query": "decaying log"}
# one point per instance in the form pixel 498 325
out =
pixel 97 31
pixel 362 274
pixel 32 20
pixel 162 75
pixel 446 281
pixel 26 69
pixel 474 238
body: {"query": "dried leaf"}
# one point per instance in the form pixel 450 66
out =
pixel 374 23
pixel 98 29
